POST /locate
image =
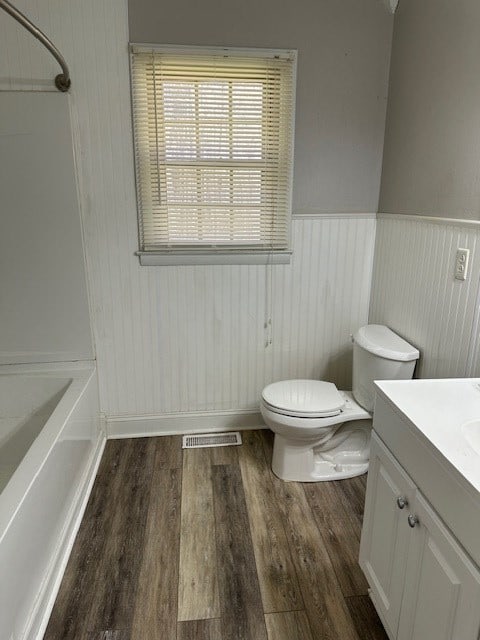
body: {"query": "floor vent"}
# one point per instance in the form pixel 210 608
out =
pixel 212 440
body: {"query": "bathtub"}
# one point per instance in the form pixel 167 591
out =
pixel 51 441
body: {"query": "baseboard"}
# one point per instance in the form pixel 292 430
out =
pixel 170 424
pixel 48 593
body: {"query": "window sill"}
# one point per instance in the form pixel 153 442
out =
pixel 154 259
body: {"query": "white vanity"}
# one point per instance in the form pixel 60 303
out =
pixel 420 547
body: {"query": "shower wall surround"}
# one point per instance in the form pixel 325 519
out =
pixel 44 315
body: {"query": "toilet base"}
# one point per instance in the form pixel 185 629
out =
pixel 345 455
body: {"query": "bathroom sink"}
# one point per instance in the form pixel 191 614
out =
pixel 437 406
pixel 471 432
pixel 444 412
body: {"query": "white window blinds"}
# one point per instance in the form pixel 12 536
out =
pixel 213 136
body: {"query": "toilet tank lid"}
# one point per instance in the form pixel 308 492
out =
pixel 382 341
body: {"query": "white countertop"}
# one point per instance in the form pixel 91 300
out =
pixel 438 409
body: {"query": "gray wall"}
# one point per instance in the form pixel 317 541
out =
pixel 432 143
pixel 343 58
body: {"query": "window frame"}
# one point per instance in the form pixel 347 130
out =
pixel 221 255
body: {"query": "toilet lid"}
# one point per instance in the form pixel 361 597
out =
pixel 304 398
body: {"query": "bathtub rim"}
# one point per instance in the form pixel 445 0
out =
pixel 15 492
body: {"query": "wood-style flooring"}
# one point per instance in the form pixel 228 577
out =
pixel 207 544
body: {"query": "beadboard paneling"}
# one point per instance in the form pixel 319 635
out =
pixel 215 351
pixel 414 291
pixel 184 338
pixel 206 347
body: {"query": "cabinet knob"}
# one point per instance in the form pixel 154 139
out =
pixel 402 502
pixel 412 520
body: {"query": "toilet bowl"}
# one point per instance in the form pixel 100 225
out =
pixel 322 433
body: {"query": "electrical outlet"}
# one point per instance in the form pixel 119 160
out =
pixel 461 264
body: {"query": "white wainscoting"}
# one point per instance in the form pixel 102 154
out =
pixel 174 340
pixel 207 348
pixel 414 291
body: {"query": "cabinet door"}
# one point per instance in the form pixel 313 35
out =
pixel 385 533
pixel 442 586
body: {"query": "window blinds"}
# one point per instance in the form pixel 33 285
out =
pixel 213 135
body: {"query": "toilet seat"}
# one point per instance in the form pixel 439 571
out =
pixel 303 398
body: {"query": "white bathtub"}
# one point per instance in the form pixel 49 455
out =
pixel 51 441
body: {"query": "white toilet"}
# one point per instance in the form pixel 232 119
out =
pixel 322 433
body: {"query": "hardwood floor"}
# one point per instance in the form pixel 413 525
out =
pixel 207 544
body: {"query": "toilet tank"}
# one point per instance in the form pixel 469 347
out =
pixel 379 354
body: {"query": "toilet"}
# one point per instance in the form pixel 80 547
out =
pixel 322 433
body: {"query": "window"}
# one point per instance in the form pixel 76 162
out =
pixel 213 134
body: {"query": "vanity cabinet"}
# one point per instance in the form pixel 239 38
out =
pixel 423 584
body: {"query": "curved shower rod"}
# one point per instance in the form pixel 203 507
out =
pixel 62 80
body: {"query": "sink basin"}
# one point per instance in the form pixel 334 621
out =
pixel 471 432
pixel 445 412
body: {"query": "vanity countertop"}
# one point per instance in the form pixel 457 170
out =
pixel 447 413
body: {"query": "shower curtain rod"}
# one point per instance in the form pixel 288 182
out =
pixel 62 80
